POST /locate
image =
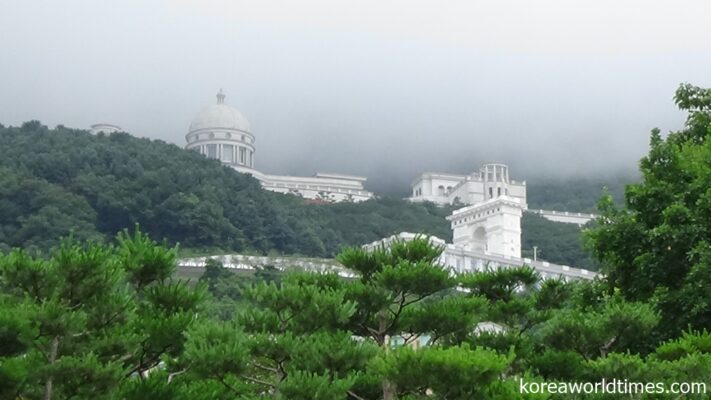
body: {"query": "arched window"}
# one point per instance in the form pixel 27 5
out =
pixel 440 190
pixel 491 193
pixel 498 192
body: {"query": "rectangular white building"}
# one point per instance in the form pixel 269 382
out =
pixel 491 181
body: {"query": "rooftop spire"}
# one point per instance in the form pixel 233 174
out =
pixel 220 97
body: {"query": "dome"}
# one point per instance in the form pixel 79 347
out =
pixel 219 116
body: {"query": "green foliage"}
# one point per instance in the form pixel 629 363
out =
pixel 689 343
pixel 447 373
pixel 449 319
pixel 656 247
pixel 106 322
pixel 54 182
pixel 216 349
pixel 556 242
pixel 78 324
pixel 214 272
pixel 35 213
pixel 403 292
pixel 289 343
pixel 57 181
pixel 500 285
pixel 575 194
pixel 616 326
pixel 145 261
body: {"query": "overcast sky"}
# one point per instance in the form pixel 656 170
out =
pixel 381 88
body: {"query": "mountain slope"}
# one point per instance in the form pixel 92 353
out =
pixel 103 184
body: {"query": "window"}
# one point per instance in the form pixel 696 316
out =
pixel 491 192
pixel 227 153
pixel 498 192
pixel 242 155
pixel 211 150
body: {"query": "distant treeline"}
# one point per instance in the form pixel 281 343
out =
pixel 556 242
pixel 576 194
pixel 57 181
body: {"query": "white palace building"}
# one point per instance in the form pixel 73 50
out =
pixel 491 181
pixel 486 231
pixel 223 133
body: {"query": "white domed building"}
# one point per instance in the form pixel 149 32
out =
pixel 221 132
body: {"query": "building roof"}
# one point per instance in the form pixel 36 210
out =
pixel 220 116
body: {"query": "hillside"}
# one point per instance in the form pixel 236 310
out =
pixel 57 181
pixel 54 181
pixel 557 242
pixel 575 194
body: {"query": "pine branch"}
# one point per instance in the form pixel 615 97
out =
pixel 257 381
pixel 355 396
pixel 264 367
pixel 174 374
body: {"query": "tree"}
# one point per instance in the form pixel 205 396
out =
pixel 80 323
pixel 290 343
pixel 657 248
pixel 400 293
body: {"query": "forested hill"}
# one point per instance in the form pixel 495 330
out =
pixel 576 194
pixel 57 181
pixel 53 181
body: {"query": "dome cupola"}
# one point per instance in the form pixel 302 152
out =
pixel 222 132
pixel 220 115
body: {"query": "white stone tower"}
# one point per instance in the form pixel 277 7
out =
pixel 492 226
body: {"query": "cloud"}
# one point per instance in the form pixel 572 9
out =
pixel 580 27
pixel 385 89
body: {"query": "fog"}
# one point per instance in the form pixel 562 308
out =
pixel 384 89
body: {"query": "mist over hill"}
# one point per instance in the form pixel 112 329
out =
pixel 62 181
pixel 57 181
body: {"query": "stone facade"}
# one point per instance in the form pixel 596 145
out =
pixel 492 180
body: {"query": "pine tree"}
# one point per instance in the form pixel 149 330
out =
pixel 90 317
pixel 404 295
